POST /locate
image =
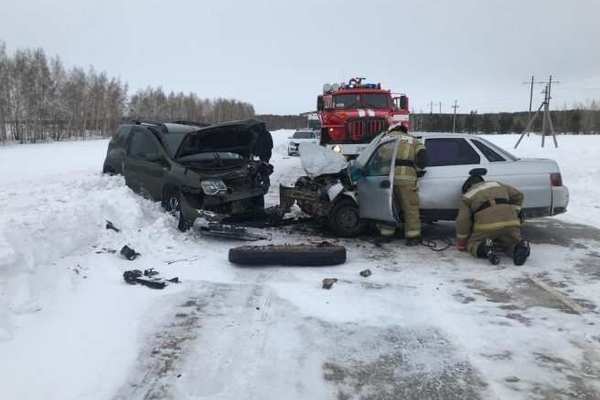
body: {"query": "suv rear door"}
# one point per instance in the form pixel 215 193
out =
pixel 450 160
pixel 146 164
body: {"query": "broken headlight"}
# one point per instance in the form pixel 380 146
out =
pixel 213 186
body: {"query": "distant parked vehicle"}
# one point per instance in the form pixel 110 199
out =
pixel 223 168
pixel 363 190
pixel 301 136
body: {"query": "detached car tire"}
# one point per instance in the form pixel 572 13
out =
pixel 344 219
pixel 291 255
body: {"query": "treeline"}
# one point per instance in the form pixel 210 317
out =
pixel 584 120
pixel 42 100
pixel 154 104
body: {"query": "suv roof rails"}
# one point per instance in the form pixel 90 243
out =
pixel 192 123
pixel 138 121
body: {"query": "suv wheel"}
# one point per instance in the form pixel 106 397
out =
pixel 172 204
pixel 344 219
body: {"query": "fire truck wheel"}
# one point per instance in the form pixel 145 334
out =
pixel 344 219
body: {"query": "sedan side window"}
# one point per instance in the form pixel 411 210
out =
pixel 381 161
pixel 142 146
pixel 490 154
pixel 450 151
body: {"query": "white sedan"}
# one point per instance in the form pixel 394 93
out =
pixel 299 137
pixel 363 190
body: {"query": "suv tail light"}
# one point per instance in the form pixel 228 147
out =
pixel 555 179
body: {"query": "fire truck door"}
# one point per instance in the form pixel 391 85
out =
pixel 375 190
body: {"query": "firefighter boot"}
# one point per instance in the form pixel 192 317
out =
pixel 522 251
pixel 486 250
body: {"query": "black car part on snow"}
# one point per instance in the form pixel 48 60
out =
pixel 291 255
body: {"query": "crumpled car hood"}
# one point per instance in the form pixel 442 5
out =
pixel 247 138
pixel 318 160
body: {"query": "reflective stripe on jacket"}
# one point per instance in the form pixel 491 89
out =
pixel 487 207
pixel 408 148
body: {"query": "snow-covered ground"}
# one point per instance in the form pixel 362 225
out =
pixel 424 325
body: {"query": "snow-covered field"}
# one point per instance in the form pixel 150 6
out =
pixel 424 325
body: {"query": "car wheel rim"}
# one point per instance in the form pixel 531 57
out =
pixel 347 218
pixel 173 204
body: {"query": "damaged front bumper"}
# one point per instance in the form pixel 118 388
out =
pixel 316 200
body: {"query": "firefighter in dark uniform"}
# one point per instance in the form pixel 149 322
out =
pixel 489 215
pixel 411 158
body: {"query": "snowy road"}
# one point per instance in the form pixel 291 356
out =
pixel 425 325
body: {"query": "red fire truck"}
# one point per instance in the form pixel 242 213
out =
pixel 353 114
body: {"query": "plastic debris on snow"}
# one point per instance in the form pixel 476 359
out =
pixel 129 253
pixel 317 160
pixel 147 278
pixel 328 282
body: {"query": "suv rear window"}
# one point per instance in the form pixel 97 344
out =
pixel 490 154
pixel 450 151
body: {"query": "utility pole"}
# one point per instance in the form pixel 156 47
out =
pixel 455 106
pixel 431 107
pixel 531 83
pixel 547 125
pixel 440 107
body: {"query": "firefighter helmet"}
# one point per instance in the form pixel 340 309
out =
pixel 398 127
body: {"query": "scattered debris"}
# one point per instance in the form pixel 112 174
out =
pixel 225 231
pixel 129 253
pixel 147 278
pixel 299 255
pixel 365 273
pixel 106 250
pixel 111 226
pixel 181 260
pixel 328 282
pixel 150 272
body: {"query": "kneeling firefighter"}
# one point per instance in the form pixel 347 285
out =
pixel 489 214
pixel 411 159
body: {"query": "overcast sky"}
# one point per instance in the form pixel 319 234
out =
pixel 278 54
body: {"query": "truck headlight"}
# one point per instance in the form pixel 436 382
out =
pixel 337 148
pixel 213 186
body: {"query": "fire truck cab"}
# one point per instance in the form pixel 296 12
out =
pixel 353 113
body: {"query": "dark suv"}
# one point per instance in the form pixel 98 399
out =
pixel 223 168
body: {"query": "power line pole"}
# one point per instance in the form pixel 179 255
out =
pixel 431 107
pixel 455 106
pixel 547 125
pixel 531 83
pixel 440 107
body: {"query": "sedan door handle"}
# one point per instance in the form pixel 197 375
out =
pixel 385 184
pixel 478 171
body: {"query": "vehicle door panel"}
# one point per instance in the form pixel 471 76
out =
pixel 451 159
pixel 141 174
pixel 375 189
